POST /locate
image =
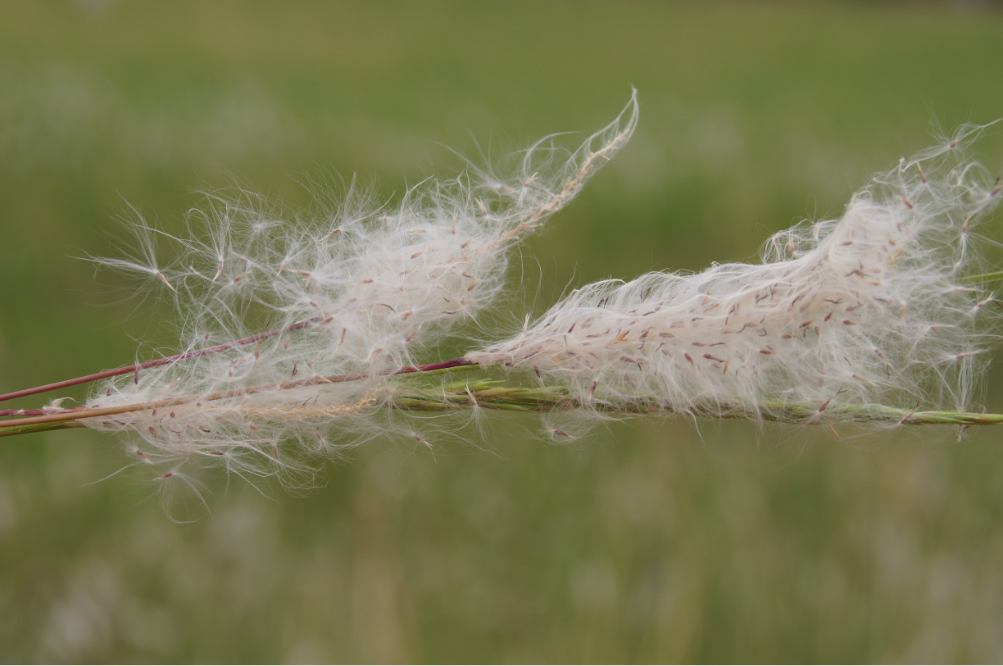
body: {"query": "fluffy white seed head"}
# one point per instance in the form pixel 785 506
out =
pixel 867 308
pixel 357 292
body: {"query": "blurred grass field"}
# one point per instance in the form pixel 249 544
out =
pixel 651 541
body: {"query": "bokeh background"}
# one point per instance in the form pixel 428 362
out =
pixel 656 540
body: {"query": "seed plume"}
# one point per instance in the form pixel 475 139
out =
pixel 872 307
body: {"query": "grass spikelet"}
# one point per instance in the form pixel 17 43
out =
pixel 872 307
pixel 352 294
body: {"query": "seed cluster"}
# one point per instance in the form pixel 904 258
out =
pixel 868 308
pixel 354 293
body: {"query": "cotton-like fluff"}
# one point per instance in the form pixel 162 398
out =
pixel 870 308
pixel 352 294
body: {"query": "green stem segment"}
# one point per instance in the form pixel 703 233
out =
pixel 489 395
pixel 40 427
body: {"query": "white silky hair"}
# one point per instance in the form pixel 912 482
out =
pixel 361 290
pixel 869 308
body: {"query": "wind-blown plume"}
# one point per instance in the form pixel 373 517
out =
pixel 353 294
pixel 869 308
pixel 879 316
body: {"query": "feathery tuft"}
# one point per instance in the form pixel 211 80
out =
pixel 865 309
pixel 354 294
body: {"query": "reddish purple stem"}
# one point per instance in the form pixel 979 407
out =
pixel 148 364
pixel 54 414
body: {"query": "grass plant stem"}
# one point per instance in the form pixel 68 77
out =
pixel 129 369
pixel 84 413
pixel 488 394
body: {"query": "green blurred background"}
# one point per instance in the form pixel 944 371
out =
pixel 656 540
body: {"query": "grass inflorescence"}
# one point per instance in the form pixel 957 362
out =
pixel 880 317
